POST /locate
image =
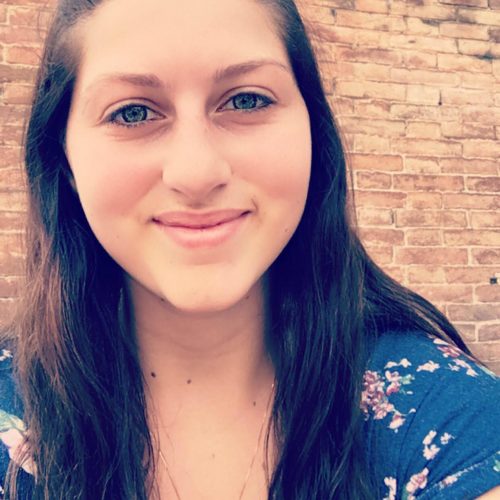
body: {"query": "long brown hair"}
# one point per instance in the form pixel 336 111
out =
pixel 75 348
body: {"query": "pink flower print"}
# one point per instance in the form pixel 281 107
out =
pixel 449 480
pixel 445 438
pixel 397 421
pixel 391 483
pixel 417 481
pixel 447 349
pixel 430 366
pixel 431 451
pixel 395 382
pixel 429 438
pixel 470 371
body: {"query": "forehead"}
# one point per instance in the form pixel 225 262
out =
pixel 128 35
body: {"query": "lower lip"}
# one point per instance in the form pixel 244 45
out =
pixel 205 237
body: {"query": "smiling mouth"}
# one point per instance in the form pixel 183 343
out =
pixel 192 233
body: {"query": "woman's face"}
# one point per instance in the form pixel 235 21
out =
pixel 189 144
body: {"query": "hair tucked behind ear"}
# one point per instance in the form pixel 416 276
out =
pixel 76 354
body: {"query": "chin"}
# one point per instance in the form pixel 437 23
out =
pixel 200 300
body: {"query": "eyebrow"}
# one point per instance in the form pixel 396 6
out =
pixel 150 80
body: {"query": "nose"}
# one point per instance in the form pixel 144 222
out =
pixel 193 165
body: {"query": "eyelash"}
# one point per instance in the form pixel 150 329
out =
pixel 113 117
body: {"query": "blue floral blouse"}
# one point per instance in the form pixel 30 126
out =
pixel 432 421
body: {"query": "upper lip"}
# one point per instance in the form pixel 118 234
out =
pixel 198 220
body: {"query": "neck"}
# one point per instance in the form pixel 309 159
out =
pixel 205 361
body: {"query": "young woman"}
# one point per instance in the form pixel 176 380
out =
pixel 200 320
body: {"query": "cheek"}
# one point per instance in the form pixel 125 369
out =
pixel 109 176
pixel 280 163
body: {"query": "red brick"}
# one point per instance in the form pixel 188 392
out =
pixel 426 12
pixel 459 62
pixel 477 201
pixel 381 255
pixel 489 332
pixel 388 128
pixel 483 184
pixel 426 274
pixel 476 80
pixel 12 221
pixel 481 149
pixel 419 60
pixel 469 274
pixel 12 201
pixel 372 6
pixel 373 180
pixel 424 237
pixel 485 219
pixel 10 156
pixel 464 30
pixel 370 55
pixel 373 108
pixel 488 293
pixel 468 166
pixel 30 17
pixel 11 179
pixel 467 331
pixel 481 16
pixel 423 43
pixel 421 200
pixel 424 113
pixel 471 237
pixel 380 199
pixel 467 130
pixel 425 147
pixel 353 70
pixel 434 256
pixel 424 130
pixel 480 114
pixel 471 3
pixel 421 165
pixel 7 309
pixel 17 94
pixel 416 26
pixel 429 218
pixel 382 237
pixel 486 256
pixel 19 34
pixel 407 182
pixel 375 217
pixel 476 312
pixel 9 286
pixel 422 94
pixel 474 48
pixel 445 293
pixel 486 351
pixel 494 366
pixel 370 144
pixel 392 91
pixel 376 162
pixel 372 21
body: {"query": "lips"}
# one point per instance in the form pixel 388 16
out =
pixel 197 231
pixel 192 220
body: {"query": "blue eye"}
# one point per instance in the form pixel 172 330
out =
pixel 132 115
pixel 249 102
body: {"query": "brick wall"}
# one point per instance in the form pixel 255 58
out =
pixel 415 86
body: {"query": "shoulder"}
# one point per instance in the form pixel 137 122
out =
pixel 432 419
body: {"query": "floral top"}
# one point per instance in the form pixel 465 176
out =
pixel 432 421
